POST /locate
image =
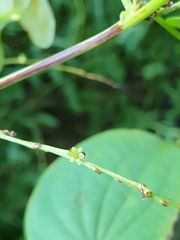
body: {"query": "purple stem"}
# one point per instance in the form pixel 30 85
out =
pixel 61 56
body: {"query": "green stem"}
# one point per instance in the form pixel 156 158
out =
pixel 33 145
pixel 146 192
pixel 142 13
pixel 172 8
pixel 84 46
pixel 168 28
pixel 135 185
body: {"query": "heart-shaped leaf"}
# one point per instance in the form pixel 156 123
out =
pixel 72 202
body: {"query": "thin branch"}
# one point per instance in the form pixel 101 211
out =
pixel 69 69
pixel 166 10
pixel 60 57
pixel 91 76
pixel 4 135
pixel 146 192
pixel 78 156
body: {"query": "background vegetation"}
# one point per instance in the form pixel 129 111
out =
pixel 62 109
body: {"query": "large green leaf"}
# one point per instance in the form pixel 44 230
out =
pixel 38 20
pixel 72 202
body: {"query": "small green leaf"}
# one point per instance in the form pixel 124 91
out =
pixel 38 20
pixel 72 202
pixel 174 21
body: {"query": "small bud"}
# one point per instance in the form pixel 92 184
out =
pixel 117 180
pixel 12 133
pixel 163 203
pixel 145 191
pixel 96 170
pixel 22 58
pixel 168 4
pixel 141 186
pixel 7 132
pixel 36 145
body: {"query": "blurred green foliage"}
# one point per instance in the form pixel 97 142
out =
pixel 61 109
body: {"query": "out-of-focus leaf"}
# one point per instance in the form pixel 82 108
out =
pixel 21 4
pixel 132 38
pixel 5 6
pixel 72 202
pixel 70 91
pixel 47 120
pixel 174 21
pixel 38 20
pixel 152 70
pixel 1 54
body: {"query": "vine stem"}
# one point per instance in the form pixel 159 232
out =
pixel 120 26
pixel 33 145
pixel 71 156
pixel 22 60
pixel 146 192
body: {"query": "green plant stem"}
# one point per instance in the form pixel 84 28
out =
pixel 168 28
pixel 172 8
pixel 33 145
pixel 146 192
pixel 132 184
pixel 84 46
pixel 142 13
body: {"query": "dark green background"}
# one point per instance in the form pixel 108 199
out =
pixel 61 109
